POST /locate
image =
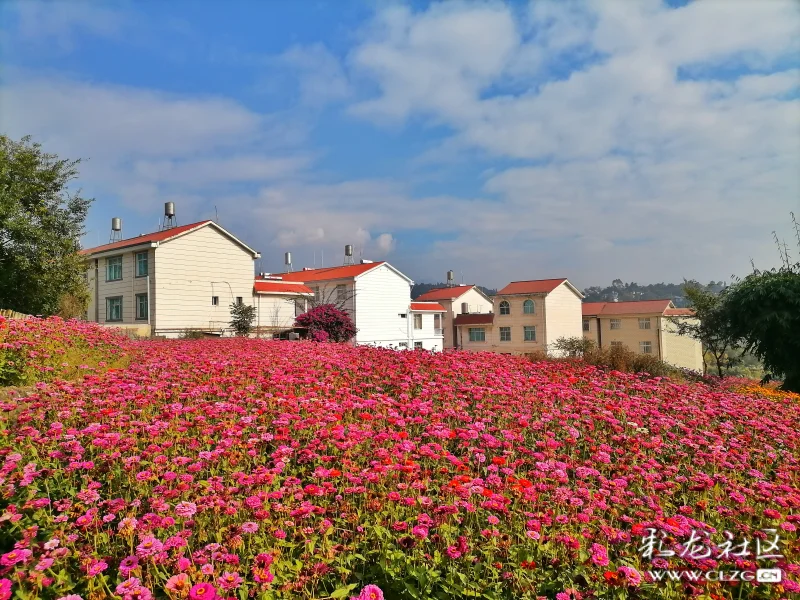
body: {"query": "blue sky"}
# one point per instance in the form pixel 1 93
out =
pixel 644 140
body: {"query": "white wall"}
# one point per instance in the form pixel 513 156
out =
pixel 190 270
pixel 276 310
pixel 381 296
pixel 563 314
pixel 427 335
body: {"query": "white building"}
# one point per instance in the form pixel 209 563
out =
pixel 174 280
pixel 277 303
pixel 456 300
pixel 378 298
pixel 426 332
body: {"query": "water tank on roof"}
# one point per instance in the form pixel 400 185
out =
pixel 464 308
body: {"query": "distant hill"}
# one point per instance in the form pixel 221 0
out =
pixel 421 288
pixel 622 292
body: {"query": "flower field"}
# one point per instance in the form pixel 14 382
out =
pixel 239 468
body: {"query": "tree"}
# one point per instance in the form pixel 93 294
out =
pixel 709 326
pixel 242 317
pixel 41 222
pixel 762 312
pixel 327 322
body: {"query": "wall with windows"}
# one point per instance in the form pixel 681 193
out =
pixel 519 324
pixel 119 281
pixel 192 269
pixel 424 333
pixel 631 332
pixel 476 303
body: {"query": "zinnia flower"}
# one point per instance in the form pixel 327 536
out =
pixel 203 591
pixel 371 592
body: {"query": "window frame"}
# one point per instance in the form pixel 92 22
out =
pixel 529 302
pixel 341 292
pixel 586 324
pixel 108 300
pixel 505 334
pixel 616 344
pixel 138 297
pixel 476 330
pixel 214 300
pixel 108 268
pixel 437 321
pixel 417 319
pixel 418 346
pixel 137 262
pixel 646 344
pixel 505 305
pixel 644 322
pixel 615 324
pixel 526 329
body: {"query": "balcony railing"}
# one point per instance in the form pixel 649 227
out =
pixel 438 331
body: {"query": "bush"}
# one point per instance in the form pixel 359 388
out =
pixel 573 347
pixel 327 323
pixel 242 317
pixel 192 334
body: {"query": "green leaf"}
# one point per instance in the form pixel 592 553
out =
pixel 342 592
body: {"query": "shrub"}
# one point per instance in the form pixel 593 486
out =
pixel 242 317
pixel 573 347
pixel 327 323
pixel 192 334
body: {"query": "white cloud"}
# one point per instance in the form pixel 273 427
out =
pixel 319 73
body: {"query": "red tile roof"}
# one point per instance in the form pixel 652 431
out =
pixel 635 307
pixel 427 306
pixel 538 286
pixel 679 312
pixel 445 293
pixel 264 286
pixel 344 272
pixel 158 236
pixel 474 319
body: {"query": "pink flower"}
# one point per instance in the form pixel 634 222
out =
pixel 178 584
pixel 249 527
pixel 371 592
pixel 128 564
pixel 69 597
pixel 599 555
pixel 203 591
pixel 15 557
pixel 186 509
pixel 420 532
pixel 229 580
pixel 5 589
pixel 149 546
pixel 280 534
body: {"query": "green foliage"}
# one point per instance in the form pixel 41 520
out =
pixel 574 347
pixel 623 292
pixel 762 312
pixel 192 334
pixel 618 358
pixel 41 222
pixel 242 317
pixel 709 326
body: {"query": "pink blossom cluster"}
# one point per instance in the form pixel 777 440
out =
pixel 248 468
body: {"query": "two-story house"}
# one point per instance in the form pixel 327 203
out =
pixel 167 282
pixel 456 300
pixel 526 316
pixel 378 298
pixel 644 326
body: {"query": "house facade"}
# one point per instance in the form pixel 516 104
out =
pixel 426 326
pixel 167 282
pixel 455 300
pixel 526 316
pixel 646 327
pixel 278 303
pixel 378 298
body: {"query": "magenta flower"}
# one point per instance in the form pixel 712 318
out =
pixel 5 589
pixel 371 592
pixel 203 591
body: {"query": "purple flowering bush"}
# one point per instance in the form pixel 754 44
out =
pixel 326 322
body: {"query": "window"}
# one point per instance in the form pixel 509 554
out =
pixel 417 345
pixel 528 307
pixel 417 321
pixel 586 324
pixel 646 347
pixel 114 308
pixel 141 306
pixel 214 300
pixel 316 293
pixel 341 293
pixel 437 321
pixel 644 323
pixel 505 308
pixel 239 300
pixel 530 333
pixel 616 344
pixel 403 315
pixel 114 268
pixel 477 334
pixel 616 323
pixel 141 264
pixel 505 334
pixel 403 344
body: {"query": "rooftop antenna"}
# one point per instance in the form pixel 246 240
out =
pixel 287 259
pixel 169 216
pixel 322 259
pixel 348 255
pixel 116 230
pixel 315 259
pixel 462 277
pixel 216 215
